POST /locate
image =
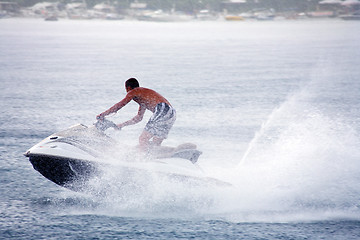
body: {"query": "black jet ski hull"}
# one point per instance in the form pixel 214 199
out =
pixel 66 172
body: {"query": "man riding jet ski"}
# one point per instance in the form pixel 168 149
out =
pixel 163 118
pixel 72 157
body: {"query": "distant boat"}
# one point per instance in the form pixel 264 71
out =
pixel 234 18
pixel 3 14
pixel 321 14
pixel 51 18
pixel 265 17
pixel 354 16
pixel 114 17
pixel 160 16
pixel 206 15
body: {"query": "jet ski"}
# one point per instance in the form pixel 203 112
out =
pixel 73 157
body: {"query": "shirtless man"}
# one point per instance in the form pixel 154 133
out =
pixel 160 122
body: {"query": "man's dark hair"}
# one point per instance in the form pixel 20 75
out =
pixel 132 83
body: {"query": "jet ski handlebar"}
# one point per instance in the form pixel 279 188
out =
pixel 102 124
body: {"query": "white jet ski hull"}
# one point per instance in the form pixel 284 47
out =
pixel 71 158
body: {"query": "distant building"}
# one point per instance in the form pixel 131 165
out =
pixel 77 10
pixel 9 8
pixel 105 8
pixel 137 5
pixel 44 7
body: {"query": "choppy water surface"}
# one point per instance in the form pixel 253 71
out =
pixel 274 106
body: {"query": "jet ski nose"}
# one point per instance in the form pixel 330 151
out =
pixel 27 153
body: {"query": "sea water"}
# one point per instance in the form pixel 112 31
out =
pixel 273 106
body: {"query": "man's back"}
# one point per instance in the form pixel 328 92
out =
pixel 146 97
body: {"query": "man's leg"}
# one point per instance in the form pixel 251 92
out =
pixel 144 140
pixel 157 141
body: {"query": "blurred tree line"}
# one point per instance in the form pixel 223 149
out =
pixel 195 5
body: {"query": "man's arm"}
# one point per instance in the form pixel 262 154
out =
pixel 116 107
pixel 135 119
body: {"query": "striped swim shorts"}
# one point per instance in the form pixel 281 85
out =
pixel 161 121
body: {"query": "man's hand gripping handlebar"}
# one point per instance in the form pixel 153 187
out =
pixel 102 124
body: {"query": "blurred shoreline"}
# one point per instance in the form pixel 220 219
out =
pixel 54 11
